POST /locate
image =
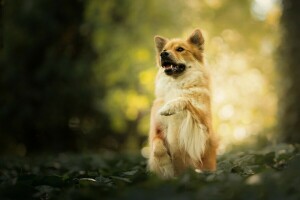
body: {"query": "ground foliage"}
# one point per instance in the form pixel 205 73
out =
pixel 271 173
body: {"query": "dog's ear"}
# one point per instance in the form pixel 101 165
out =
pixel 196 38
pixel 160 42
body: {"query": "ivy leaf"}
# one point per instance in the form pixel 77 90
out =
pixel 107 182
pixel 130 173
pixel 102 179
pixel 87 181
pixel 127 180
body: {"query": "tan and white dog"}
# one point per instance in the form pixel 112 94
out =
pixel 181 134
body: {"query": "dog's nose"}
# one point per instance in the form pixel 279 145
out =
pixel 164 54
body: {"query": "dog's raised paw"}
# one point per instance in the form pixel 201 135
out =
pixel 166 111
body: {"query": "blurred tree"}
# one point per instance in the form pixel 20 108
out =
pixel 289 62
pixel 1 24
pixel 46 75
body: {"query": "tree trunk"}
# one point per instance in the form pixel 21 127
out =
pixel 289 68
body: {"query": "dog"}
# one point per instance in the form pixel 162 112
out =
pixel 181 134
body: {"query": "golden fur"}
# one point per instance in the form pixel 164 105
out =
pixel 181 134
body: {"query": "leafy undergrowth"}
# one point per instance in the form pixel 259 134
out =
pixel 272 173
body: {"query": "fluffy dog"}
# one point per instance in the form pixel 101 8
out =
pixel 181 134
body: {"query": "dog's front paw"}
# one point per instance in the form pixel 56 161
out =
pixel 167 110
pixel 172 107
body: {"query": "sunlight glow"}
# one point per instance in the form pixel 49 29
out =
pixel 244 102
pixel 214 3
pixel 261 8
pixel 226 112
pixel 240 133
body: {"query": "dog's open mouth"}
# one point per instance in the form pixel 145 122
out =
pixel 172 68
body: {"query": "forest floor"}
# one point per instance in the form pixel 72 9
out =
pixel 270 173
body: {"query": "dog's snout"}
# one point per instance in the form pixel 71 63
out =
pixel 164 54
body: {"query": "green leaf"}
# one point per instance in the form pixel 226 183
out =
pixel 87 181
pixel 130 173
pixel 127 180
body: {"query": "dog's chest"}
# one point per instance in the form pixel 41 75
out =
pixel 168 90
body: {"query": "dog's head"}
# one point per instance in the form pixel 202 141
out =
pixel 175 55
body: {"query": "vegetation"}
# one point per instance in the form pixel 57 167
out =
pixel 271 173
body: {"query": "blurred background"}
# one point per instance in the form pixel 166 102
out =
pixel 78 75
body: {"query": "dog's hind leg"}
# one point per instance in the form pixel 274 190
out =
pixel 209 157
pixel 160 161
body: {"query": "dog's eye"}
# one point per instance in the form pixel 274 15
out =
pixel 180 49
